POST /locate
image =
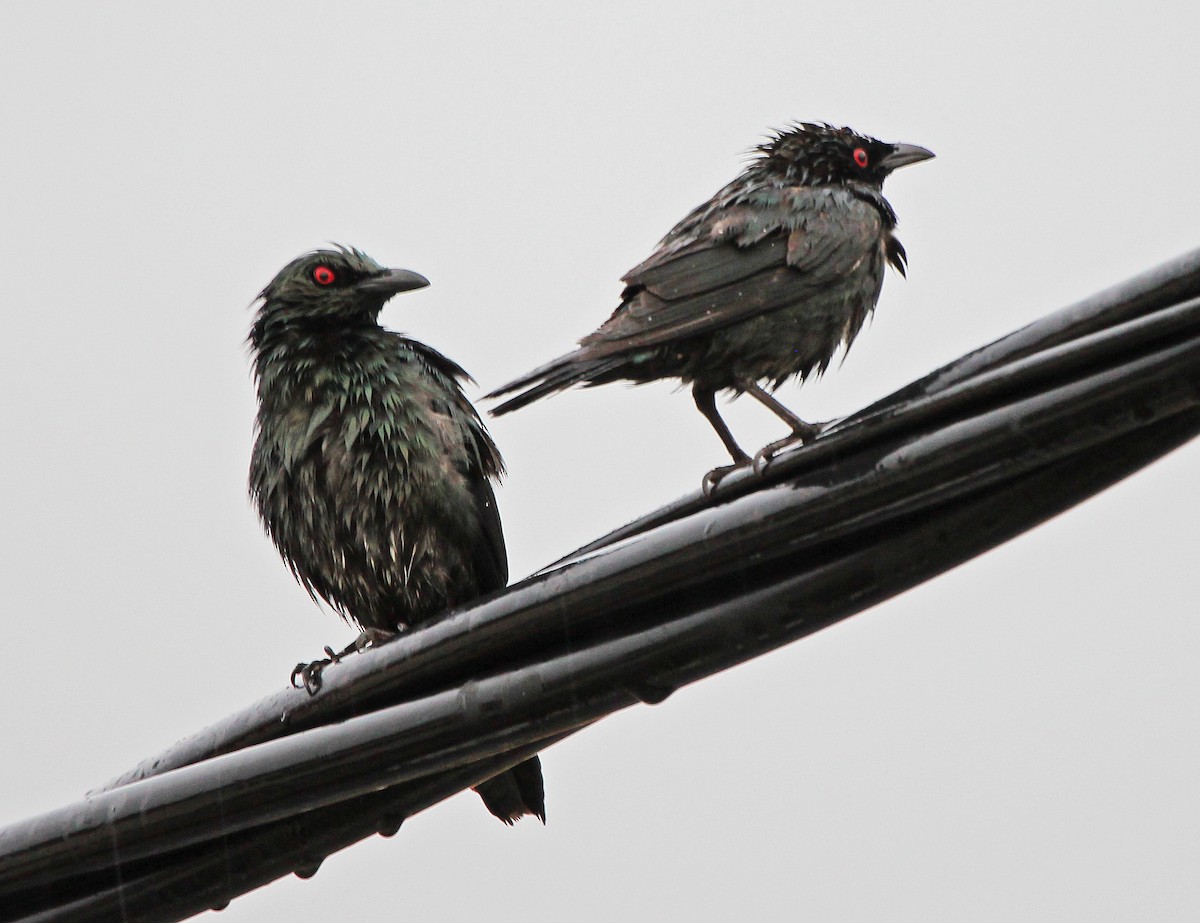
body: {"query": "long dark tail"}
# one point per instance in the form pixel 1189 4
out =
pixel 516 792
pixel 558 375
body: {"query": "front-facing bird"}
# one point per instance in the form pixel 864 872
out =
pixel 371 470
pixel 765 280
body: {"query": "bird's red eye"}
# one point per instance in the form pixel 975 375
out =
pixel 323 275
pixel 861 158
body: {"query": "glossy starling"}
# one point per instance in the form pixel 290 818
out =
pixel 765 280
pixel 371 470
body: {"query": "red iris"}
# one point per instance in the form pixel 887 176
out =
pixel 860 157
pixel 323 275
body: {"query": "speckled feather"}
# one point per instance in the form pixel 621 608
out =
pixel 371 471
pixel 370 468
pixel 765 280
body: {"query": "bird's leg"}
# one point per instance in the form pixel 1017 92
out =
pixel 706 403
pixel 801 431
pixel 309 674
pixel 368 637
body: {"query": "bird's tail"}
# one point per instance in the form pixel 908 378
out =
pixel 558 375
pixel 516 792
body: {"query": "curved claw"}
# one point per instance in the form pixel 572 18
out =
pixel 764 456
pixel 710 481
pixel 310 674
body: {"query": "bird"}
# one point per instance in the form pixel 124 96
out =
pixel 371 471
pixel 764 281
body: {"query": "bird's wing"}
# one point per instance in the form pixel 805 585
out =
pixel 490 555
pixel 738 261
pixel 481 465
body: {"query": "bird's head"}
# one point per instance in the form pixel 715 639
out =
pixel 329 288
pixel 817 154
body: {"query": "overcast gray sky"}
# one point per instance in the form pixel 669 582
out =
pixel 1015 740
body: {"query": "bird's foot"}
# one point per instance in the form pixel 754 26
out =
pixel 309 674
pixel 710 481
pixel 799 435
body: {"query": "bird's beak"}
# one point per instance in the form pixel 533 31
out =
pixel 392 281
pixel 904 154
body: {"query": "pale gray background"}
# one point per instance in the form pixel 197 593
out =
pixel 1016 740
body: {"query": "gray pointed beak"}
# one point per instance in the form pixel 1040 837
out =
pixel 393 281
pixel 904 154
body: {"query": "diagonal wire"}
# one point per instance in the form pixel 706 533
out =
pixel 945 469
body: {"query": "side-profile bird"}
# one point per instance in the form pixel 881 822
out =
pixel 765 280
pixel 371 471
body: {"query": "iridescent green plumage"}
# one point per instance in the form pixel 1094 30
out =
pixel 371 471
